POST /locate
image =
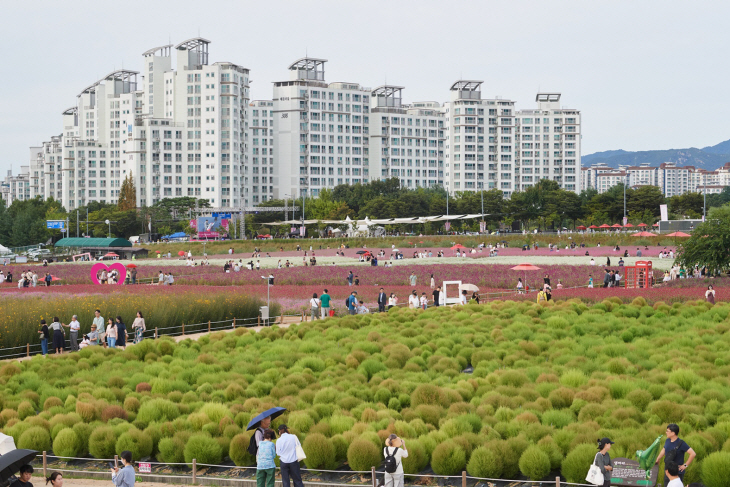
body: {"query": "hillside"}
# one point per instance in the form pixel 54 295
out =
pixel 708 158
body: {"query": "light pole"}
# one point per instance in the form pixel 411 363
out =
pixel 704 196
pixel 269 282
pixel 626 179
pixel 482 194
pixel 110 227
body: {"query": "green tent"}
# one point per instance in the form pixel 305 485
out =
pixel 93 242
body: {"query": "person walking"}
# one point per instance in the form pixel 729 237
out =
pixel 324 301
pixel 74 326
pixel 392 300
pixel 314 305
pixel 394 453
pixel 436 296
pixel 265 456
pixel 124 477
pixel 121 333
pixel 382 299
pixel 58 338
pixel 413 301
pixel 286 449
pixel 350 278
pixel 520 286
pixel 134 275
pixel 710 294
pixel 352 303
pixel 45 335
pixel 674 450
pixel 98 321
pixel 111 334
pixel 412 279
pixel 603 460
pixel 139 327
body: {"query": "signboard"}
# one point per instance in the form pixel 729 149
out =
pixel 227 216
pixel 664 212
pixel 55 224
pixel 215 223
pixel 629 473
pixel 145 467
pixel 482 227
pixel 447 225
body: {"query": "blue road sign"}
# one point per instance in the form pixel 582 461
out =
pixel 55 224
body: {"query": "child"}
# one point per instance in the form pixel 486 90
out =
pixel 424 301
pixel 560 284
pixel 590 281
pixel 357 281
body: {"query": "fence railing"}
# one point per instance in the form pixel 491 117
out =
pixel 210 474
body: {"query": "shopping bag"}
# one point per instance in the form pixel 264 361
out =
pixel 332 312
pixel 300 454
pixel 594 476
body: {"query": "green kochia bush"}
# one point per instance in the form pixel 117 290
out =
pixel 67 444
pixel 485 463
pixel 715 470
pixel 320 452
pixel 577 462
pixel 102 442
pixel 238 449
pixel 136 441
pixel 204 449
pixel 35 438
pixel 534 463
pixel 362 455
pixel 448 458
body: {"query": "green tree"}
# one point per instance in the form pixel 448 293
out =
pixel 709 243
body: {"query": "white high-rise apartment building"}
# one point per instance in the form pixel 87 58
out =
pixel 259 181
pixel 320 131
pixel 17 187
pixel 548 144
pixel 406 141
pixel 179 132
pixel 480 141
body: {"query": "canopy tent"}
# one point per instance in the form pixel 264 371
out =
pixel 642 225
pixel 678 234
pixel 93 242
pixel 617 225
pixel 593 227
pixel 581 227
pixel 384 221
pixel 605 226
pixel 628 225
pixel 176 235
pixel 4 250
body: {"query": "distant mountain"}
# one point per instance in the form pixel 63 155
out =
pixel 708 158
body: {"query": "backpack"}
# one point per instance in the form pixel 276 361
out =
pixel 253 448
pixel 671 456
pixel 390 464
pixel 347 302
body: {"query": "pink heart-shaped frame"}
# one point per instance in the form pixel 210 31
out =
pixel 100 265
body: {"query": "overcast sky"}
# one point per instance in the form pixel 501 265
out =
pixel 645 75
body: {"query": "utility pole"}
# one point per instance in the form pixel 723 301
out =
pixel 625 182
pixel 704 197
pixel 77 223
pixel 87 221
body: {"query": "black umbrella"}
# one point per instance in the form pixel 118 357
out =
pixel 272 413
pixel 11 462
pixel 361 252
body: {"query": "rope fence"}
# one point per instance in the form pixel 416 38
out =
pixel 195 471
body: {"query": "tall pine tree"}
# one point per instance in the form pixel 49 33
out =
pixel 127 195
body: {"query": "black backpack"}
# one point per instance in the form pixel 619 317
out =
pixel 253 448
pixel 671 456
pixel 390 464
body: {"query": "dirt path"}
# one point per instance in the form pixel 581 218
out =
pixel 77 482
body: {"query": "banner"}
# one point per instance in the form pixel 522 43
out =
pixel 302 231
pixel 664 212
pixel 447 225
pixel 626 220
pixel 482 227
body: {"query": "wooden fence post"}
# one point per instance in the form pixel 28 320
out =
pixel 27 349
pixel 183 326
pixel 463 478
pixel 557 481
pixel 258 320
pixel 372 474
pixel 234 323
pixel 195 470
pixel 282 317
pixel 208 326
pixel 45 465
pixel 155 333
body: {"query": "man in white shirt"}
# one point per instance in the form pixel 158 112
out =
pixel 286 448
pixel 395 447
pixel 672 473
pixel 75 326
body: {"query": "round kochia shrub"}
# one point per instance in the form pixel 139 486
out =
pixel 157 410
pixel 715 470
pixel 67 444
pixel 577 462
pixel 102 442
pixel 484 463
pixel 535 463
pixel 320 452
pixel 204 449
pixel 35 438
pixel 171 450
pixel 448 458
pixel 136 441
pixel 363 454
pixel 417 458
pixel 238 449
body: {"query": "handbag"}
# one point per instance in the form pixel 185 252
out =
pixel 594 476
pixel 300 453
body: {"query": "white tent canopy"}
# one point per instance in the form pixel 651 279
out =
pixel 4 250
pixel 7 444
pixel 384 221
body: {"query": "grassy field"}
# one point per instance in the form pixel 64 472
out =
pixel 547 380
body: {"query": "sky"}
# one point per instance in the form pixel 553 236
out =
pixel 645 75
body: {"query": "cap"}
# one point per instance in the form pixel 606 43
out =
pixel 283 427
pixel 604 441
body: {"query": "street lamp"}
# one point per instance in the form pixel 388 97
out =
pixel 110 227
pixel 269 283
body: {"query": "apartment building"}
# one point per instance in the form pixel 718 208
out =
pixel 16 187
pixel 548 141
pixel 321 131
pixel 259 184
pixel 480 137
pixel 406 141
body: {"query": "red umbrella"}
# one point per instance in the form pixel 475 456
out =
pixel 643 234
pixel 642 225
pixel 525 268
pixel 181 253
pixel 678 234
pixel 54 278
pixel 628 225
pixel 157 251
pixel 605 226
pixel 593 227
pixel 655 225
pixel 581 227
pixel 131 266
pixel 457 246
pixel 110 254
pixel 616 226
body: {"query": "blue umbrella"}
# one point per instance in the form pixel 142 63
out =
pixel 272 413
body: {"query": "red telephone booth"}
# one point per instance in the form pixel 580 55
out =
pixel 639 275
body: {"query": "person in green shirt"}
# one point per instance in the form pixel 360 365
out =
pixel 325 304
